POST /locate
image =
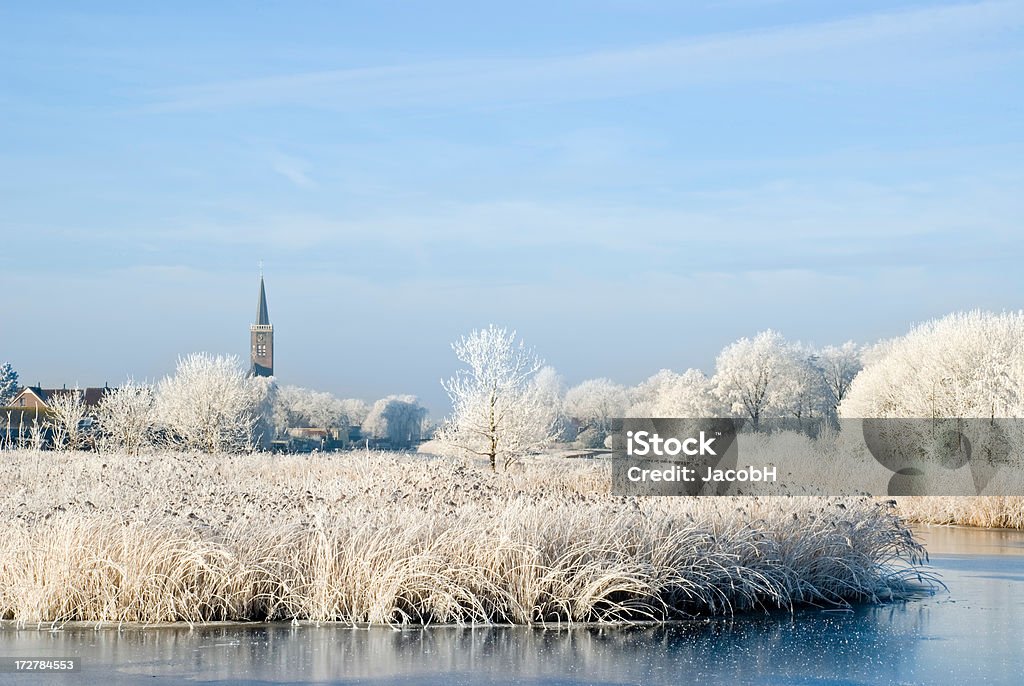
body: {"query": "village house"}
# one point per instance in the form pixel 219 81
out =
pixel 25 416
pixel 34 397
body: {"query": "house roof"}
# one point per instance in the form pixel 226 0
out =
pixel 92 395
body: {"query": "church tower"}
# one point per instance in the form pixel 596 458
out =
pixel 261 335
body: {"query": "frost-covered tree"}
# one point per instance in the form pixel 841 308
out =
pixel 759 377
pixel 355 409
pixel 265 391
pixel 645 397
pixel 499 411
pixel 839 365
pixel 592 405
pixel 8 384
pixel 668 394
pixel 286 410
pixel 967 365
pixel 550 391
pixel 67 409
pixel 209 404
pixel 396 419
pixel 302 407
pixel 810 396
pixel 127 418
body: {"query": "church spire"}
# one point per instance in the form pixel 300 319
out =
pixel 262 316
pixel 261 336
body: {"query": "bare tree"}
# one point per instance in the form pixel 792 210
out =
pixel 67 411
pixel 6 440
pixel 499 412
pixel 126 417
pixel 34 436
pixel 29 434
pixel 209 404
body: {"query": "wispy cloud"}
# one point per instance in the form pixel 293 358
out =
pixel 860 47
pixel 293 169
pixel 781 225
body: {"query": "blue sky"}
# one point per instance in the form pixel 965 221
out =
pixel 631 185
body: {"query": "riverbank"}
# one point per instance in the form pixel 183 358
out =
pixel 984 511
pixel 385 539
pixel 955 637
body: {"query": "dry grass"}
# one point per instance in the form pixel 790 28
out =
pixel 388 539
pixel 997 512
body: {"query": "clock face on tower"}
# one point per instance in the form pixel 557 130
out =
pixel 259 338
